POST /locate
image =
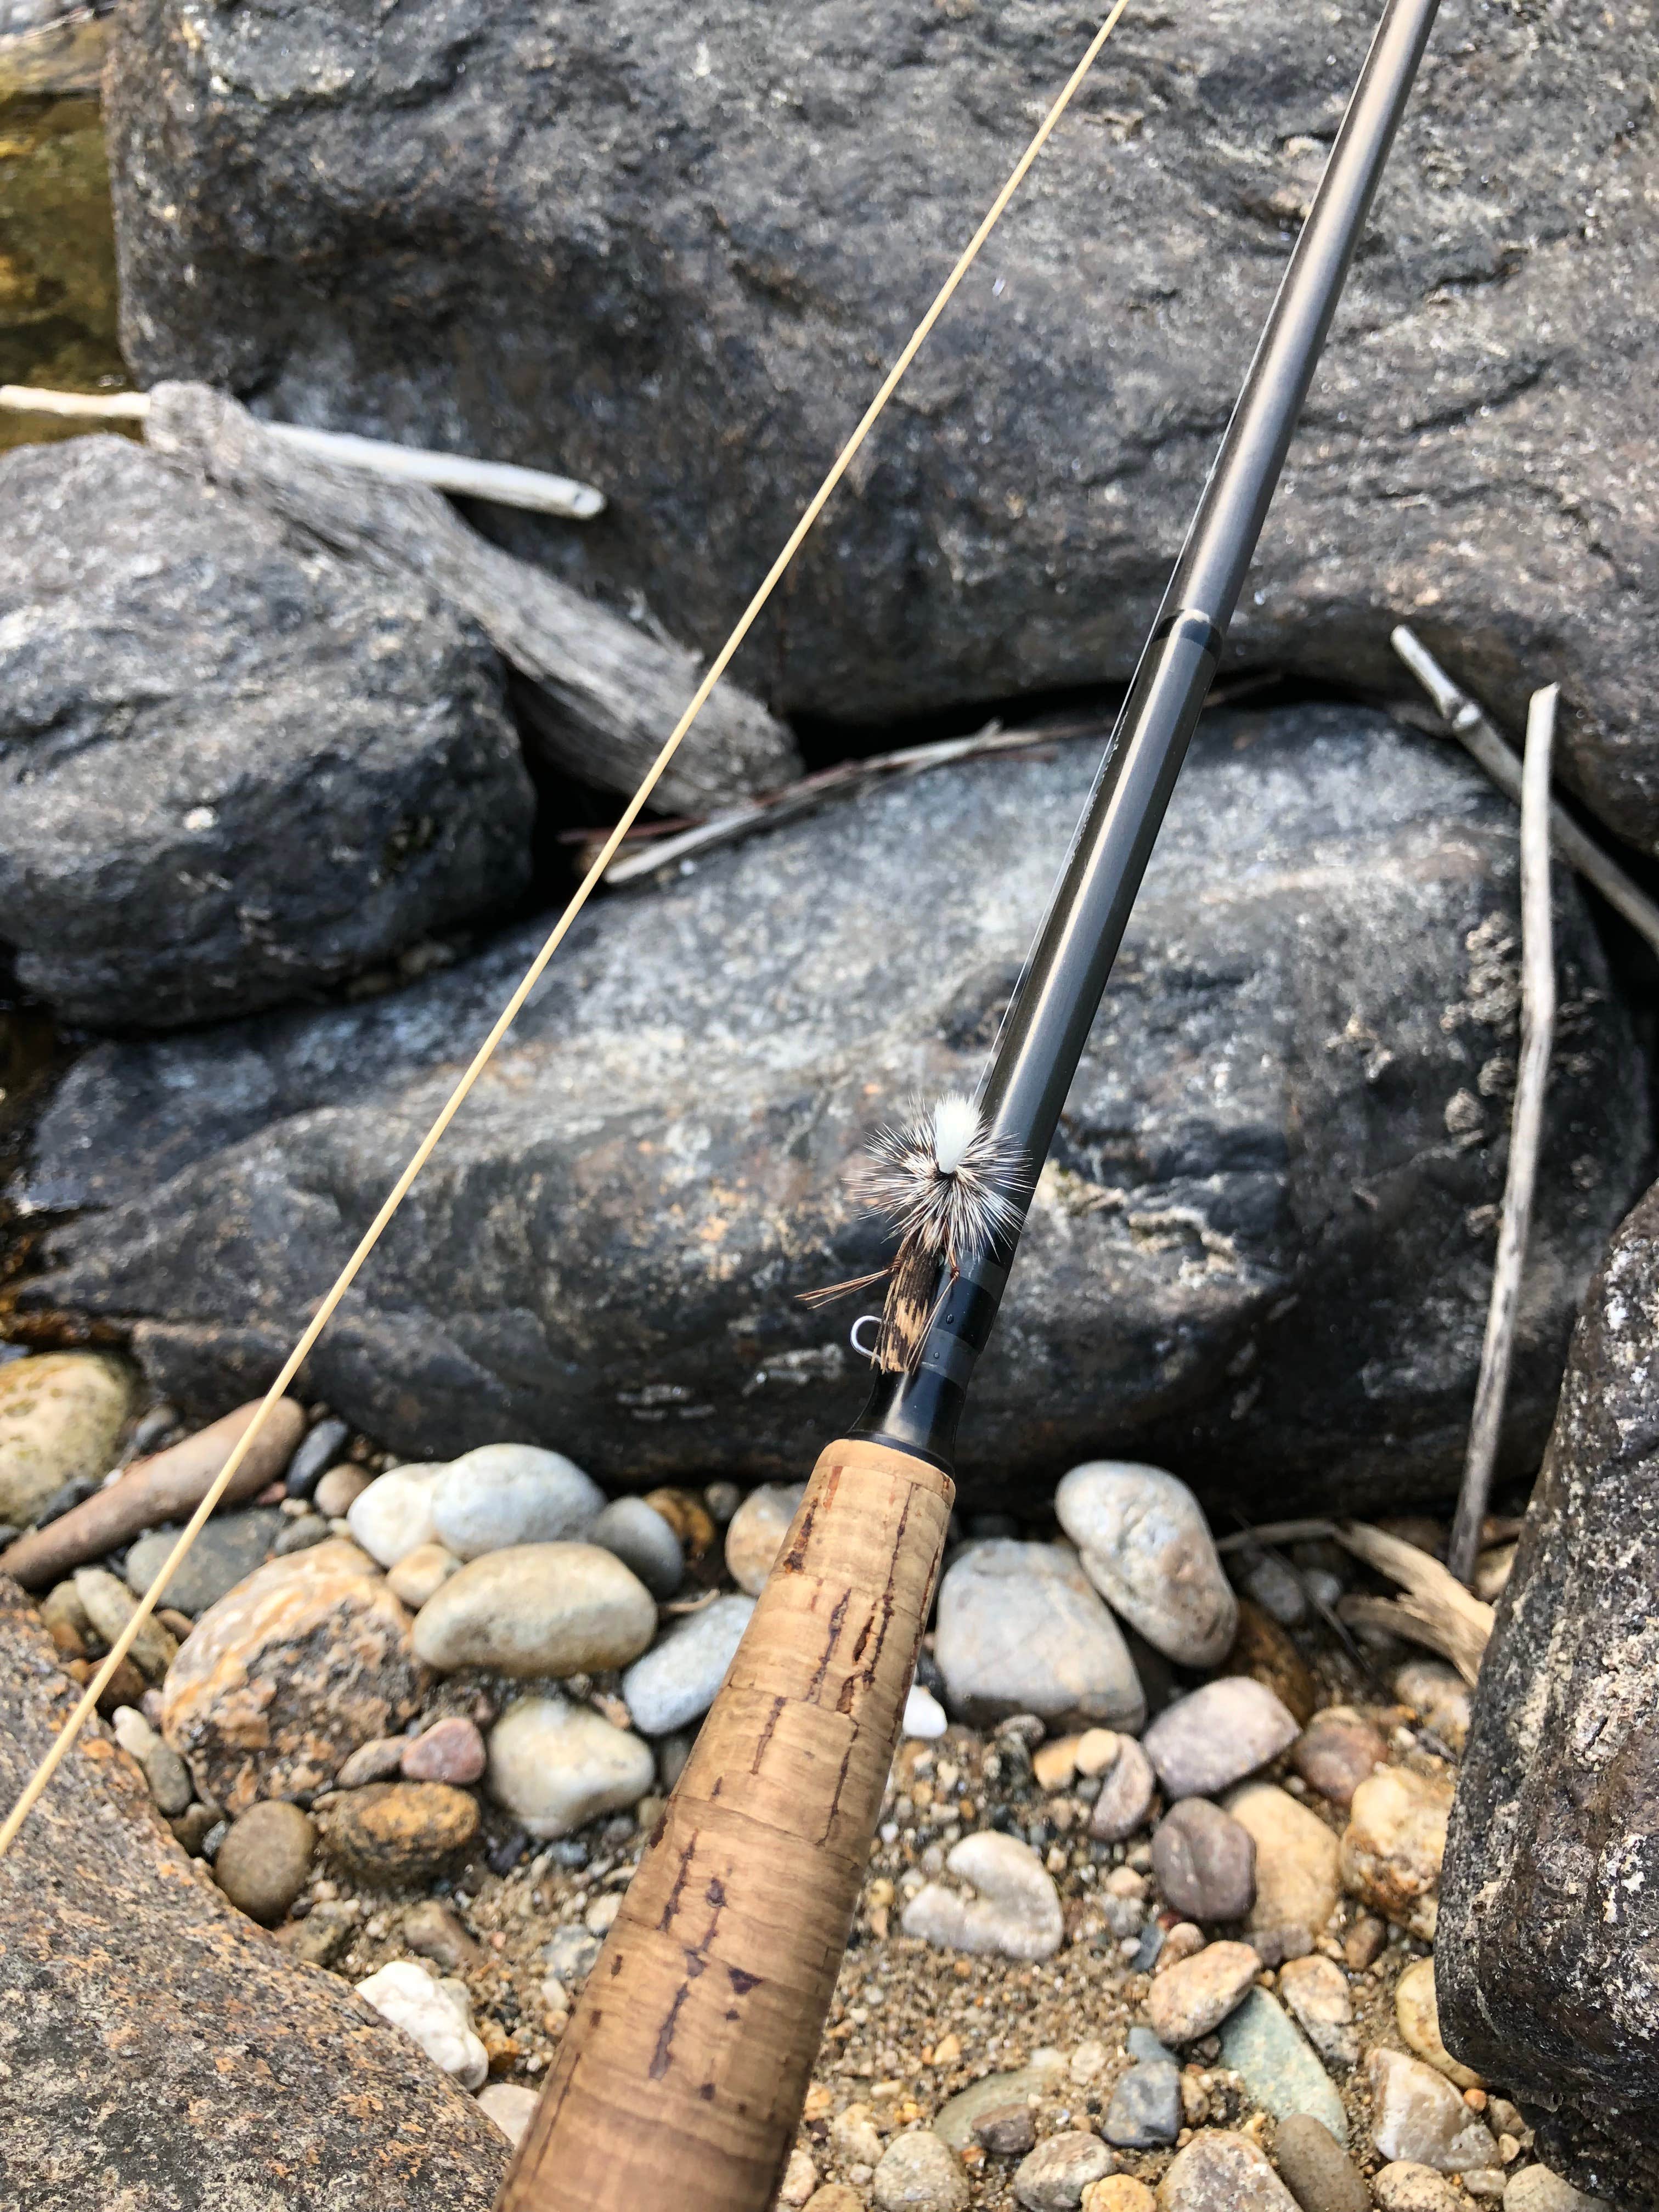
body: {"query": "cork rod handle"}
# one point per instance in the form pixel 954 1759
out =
pixel 680 2079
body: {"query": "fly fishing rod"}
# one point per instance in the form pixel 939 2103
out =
pixel 680 2079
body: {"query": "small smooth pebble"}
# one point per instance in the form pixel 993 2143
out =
pixel 394 1514
pixel 955 2119
pixel 1190 1999
pixel 339 1490
pixel 264 1860
pixel 389 1831
pixel 1278 1590
pixel 316 1452
pixel 1053 2177
pixel 678 1680
pixel 109 1605
pixel 924 1717
pixel 451 1750
pixel 1393 1845
pixel 1203 1861
pixel 1128 1790
pixel 642 1540
pixel 755 1535
pixel 1218 1736
pixel 168 1776
pixel 1336 1753
pixel 800 2179
pixel 1535 2189
pixel 1219 2171
pixel 1298 1859
pixel 1053 1765
pixel 1146 1547
pixel 1145 2113
pixel 1263 2046
pixel 853 2137
pixel 537 1609
pixel 429 2012
pixel 1315 1992
pixel 1418 2015
pixel 555 1766
pixel 380 1760
pixel 1316 2169
pixel 723 1499
pixel 1405 2187
pixel 504 1495
pixel 570 1954
pixel 1021 1630
pixel 1097 1751
pixel 1440 1698
pixel 920 2173
pixel 510 2105
pixel 433 1931
pixel 1015 1912
pixel 228 1550
pixel 1118 2192
pixel 1416 2114
pixel 421 1574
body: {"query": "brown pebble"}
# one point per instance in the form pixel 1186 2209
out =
pixel 264 1859
pixel 1316 2170
pixel 1365 1941
pixel 392 1829
pixel 451 1750
pixel 1262 1650
pixel 379 1761
pixel 1336 1754
pixel 1008 2131
pixel 432 1931
pixel 689 1517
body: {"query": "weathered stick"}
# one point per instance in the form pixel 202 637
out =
pixel 1436 1610
pixel 1526 1136
pixel 1476 733
pixel 694 2039
pixel 504 482
pixel 611 691
pixel 57 60
pixel 160 1488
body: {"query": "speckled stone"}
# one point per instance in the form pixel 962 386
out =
pixel 1316 2170
pixel 451 1750
pixel 1053 2177
pixel 1279 2067
pixel 304 1661
pixel 1146 1547
pixel 114 1942
pixel 61 1415
pixel 1219 2171
pixel 675 1681
pixel 920 2173
pixel 1394 1846
pixel 391 1830
pixel 230 1547
pixel 1021 1629
pixel 1189 1999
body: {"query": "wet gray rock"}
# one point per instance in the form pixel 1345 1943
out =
pixel 111 1933
pixel 643 1540
pixel 693 234
pixel 1546 1954
pixel 1144 2111
pixel 1020 1631
pixel 228 1548
pixel 233 767
pixel 1199 1284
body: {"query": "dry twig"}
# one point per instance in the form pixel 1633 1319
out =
pixel 1436 1610
pixel 1526 1136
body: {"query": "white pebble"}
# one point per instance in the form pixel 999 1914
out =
pixel 924 1715
pixel 428 2012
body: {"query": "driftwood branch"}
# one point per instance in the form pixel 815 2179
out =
pixel 1526 1136
pixel 609 692
pixel 1436 1610
pixel 504 482
pixel 1475 731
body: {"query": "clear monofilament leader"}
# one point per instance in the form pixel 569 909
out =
pixel 948 1184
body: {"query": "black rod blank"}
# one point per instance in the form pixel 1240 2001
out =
pixel 1047 1025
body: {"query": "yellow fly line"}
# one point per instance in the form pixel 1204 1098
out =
pixel 371 1237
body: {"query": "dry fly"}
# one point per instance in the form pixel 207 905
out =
pixel 947 1184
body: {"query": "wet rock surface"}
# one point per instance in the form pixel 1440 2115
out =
pixel 274 2082
pixel 234 771
pixel 749 216
pixel 1350 967
pixel 1547 1962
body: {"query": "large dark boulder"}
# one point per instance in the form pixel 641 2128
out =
pixel 1263 1256
pixel 671 247
pixel 157 2048
pixel 233 766
pixel 1546 1964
